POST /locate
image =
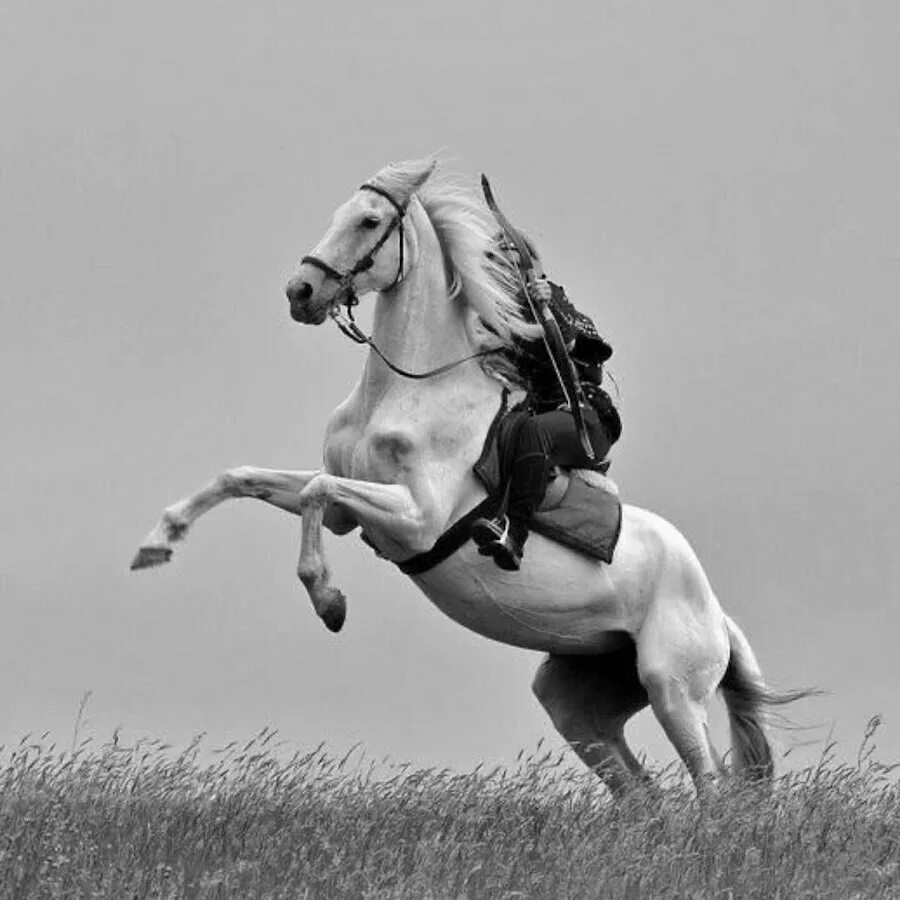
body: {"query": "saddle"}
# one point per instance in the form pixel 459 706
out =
pixel 581 509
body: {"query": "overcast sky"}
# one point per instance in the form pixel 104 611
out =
pixel 715 183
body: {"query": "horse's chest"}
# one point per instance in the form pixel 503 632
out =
pixel 389 449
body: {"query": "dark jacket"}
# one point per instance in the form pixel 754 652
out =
pixel 588 351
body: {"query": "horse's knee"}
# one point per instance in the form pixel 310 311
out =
pixel 312 570
pixel 318 492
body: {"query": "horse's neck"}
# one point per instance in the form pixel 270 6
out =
pixel 417 326
pixel 393 429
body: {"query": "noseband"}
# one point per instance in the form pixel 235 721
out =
pixel 345 293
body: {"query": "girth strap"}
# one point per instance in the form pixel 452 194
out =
pixel 452 539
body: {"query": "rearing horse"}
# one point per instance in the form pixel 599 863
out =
pixel 398 453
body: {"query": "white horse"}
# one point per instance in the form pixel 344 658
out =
pixel 398 453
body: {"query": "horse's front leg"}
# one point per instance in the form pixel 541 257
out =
pixel 390 509
pixel 280 488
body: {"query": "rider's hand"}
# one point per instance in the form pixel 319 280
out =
pixel 540 289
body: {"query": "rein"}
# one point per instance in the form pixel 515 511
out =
pixel 355 333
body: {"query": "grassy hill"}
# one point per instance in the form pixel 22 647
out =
pixel 249 821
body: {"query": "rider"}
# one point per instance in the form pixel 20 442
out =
pixel 541 432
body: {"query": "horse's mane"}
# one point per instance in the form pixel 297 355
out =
pixel 465 229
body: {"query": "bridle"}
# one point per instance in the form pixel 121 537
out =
pixel 346 294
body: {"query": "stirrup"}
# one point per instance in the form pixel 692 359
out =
pixel 486 532
pixel 495 538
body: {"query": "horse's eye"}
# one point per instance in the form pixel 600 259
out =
pixel 370 222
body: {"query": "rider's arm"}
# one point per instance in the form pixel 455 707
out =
pixel 545 290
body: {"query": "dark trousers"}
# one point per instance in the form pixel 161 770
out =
pixel 530 445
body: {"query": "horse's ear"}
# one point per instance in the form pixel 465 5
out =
pixel 419 178
pixel 403 179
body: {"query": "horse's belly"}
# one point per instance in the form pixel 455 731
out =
pixel 559 601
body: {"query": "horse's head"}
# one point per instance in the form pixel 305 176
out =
pixel 367 247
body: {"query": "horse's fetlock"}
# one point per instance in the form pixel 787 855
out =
pixel 311 573
pixel 175 525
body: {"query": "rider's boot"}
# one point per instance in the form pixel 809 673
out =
pixel 504 537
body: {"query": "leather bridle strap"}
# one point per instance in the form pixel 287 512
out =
pixel 368 186
pixel 356 334
pixel 345 293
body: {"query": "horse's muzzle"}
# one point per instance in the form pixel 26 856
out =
pixel 303 309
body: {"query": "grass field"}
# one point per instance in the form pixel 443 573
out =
pixel 249 821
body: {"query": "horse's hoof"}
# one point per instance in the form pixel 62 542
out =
pixel 335 613
pixel 148 557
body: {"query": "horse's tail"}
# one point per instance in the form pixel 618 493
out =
pixel 748 699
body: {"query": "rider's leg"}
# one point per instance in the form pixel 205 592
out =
pixel 564 443
pixel 525 467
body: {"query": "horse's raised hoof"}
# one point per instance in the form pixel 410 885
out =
pixel 335 613
pixel 148 557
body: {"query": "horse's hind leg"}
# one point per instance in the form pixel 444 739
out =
pixel 682 655
pixel 589 699
pixel 685 722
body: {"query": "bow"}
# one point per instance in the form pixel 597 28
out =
pixel 553 339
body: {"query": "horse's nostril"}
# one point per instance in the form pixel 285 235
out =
pixel 298 291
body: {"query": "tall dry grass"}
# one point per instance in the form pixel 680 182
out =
pixel 248 821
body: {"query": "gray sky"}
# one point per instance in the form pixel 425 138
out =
pixel 714 182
